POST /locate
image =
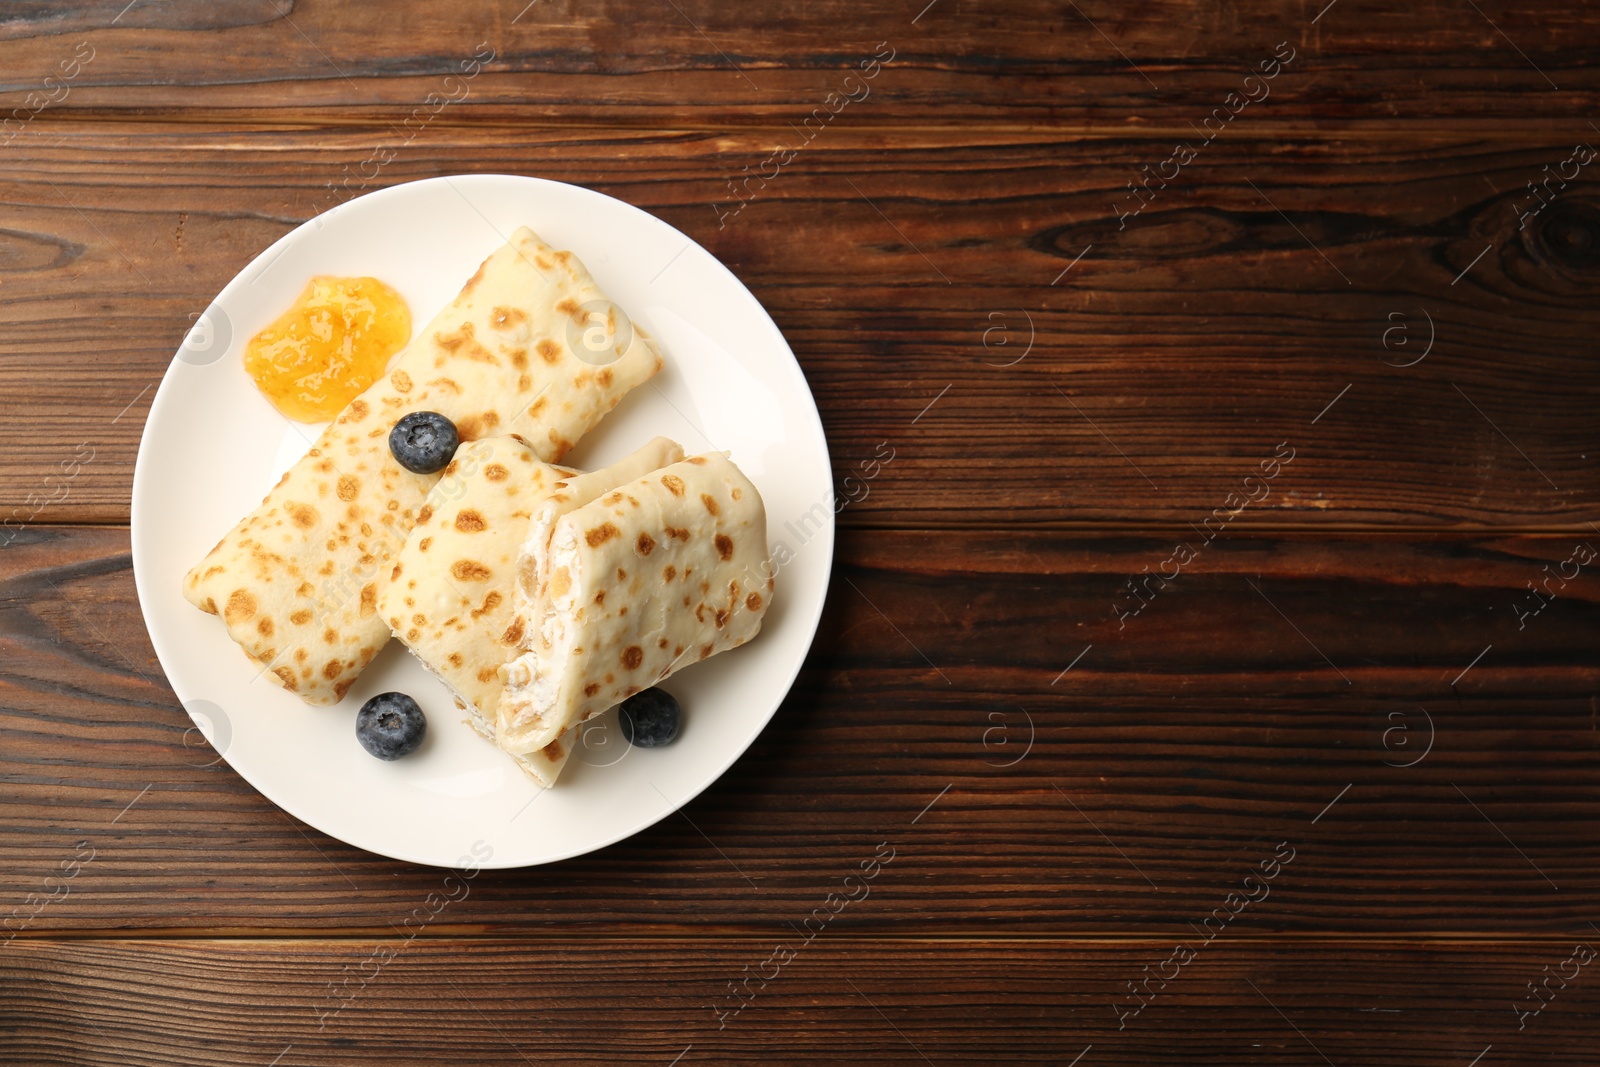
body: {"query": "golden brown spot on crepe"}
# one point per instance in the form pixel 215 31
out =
pixel 506 318
pixel 620 611
pixel 369 599
pixel 422 545
pixel 600 597
pixel 447 383
pixel 661 643
pixel 210 571
pixel 705 651
pixel 366 529
pixel 753 601
pixel 561 444
pixel 472 282
pixel 300 618
pixel 394 505
pixel 677 533
pixel 581 381
pixel 678 651
pixel 241 606
pixel 490 419
pixel 610 678
pixel 286 675
pixel 330 636
pixel 612 499
pixel 269 654
pixel 412 634
pixel 668 573
pixel 300 655
pixel 601 534
pixel 722 618
pixel 264 626
pixel 544 264
pixel 621 574
pixel 394 572
pixel 591 689
pixel 304 515
pixel 519 360
pixel 513 634
pixel 737 493
pixel 548 350
pixel 469 570
pixel 470 429
pixel 495 473
pixel 490 602
pixel 427 512
pixel 645 545
pixel 488 674
pixel 349 484
pixel 469 521
pixel 560 582
pixel 709 502
pixel 358 409
pixel 696 460
pixel 401 381
pixel 673 483
pixel 604 377
pixel 568 305
pixel 455 659
pixel 724 545
pixel 341 688
pixel 700 613
pixel 451 342
pixel 536 407
pixel 331 669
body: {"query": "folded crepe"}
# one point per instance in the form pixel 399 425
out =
pixel 632 584
pixel 296 580
pixel 448 596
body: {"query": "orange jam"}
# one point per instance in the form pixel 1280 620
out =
pixel 334 342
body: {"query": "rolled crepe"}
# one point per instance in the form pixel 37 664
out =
pixel 448 595
pixel 661 572
pixel 296 580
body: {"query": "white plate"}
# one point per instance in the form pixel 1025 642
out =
pixel 213 446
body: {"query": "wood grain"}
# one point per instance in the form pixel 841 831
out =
pixel 1426 784
pixel 1164 64
pixel 912 1002
pixel 1075 371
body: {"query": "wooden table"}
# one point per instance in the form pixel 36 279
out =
pixel 1211 675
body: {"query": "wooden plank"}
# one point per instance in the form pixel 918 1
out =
pixel 1370 702
pixel 636 62
pixel 1280 296
pixel 571 1000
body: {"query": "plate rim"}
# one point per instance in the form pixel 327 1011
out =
pixel 143 582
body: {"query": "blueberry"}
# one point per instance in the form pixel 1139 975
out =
pixel 650 719
pixel 423 442
pixel 390 725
